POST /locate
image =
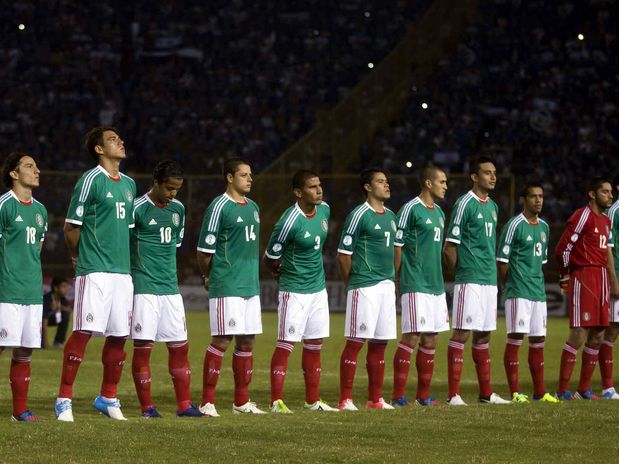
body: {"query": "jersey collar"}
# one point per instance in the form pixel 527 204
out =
pixel 479 199
pixel 424 205
pixel 234 201
pixel 115 179
pixel 25 203
pixel 309 216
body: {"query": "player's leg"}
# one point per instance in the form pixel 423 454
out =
pixel 606 352
pixel 19 376
pixel 404 351
pixel 517 318
pixel 576 338
pixel 141 372
pixel 424 363
pixel 348 359
pixel 589 360
pixel 537 338
pixel 288 321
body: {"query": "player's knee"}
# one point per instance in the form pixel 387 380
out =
pixel 245 343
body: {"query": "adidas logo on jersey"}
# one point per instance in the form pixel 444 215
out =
pixel 529 238
pixel 152 222
pixel 307 234
pixel 109 195
pixel 428 221
pixel 19 219
pixel 239 219
pixel 376 227
pixel 480 216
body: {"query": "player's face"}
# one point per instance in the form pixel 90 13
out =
pixel 27 173
pixel 438 186
pixel 379 187
pixel 604 196
pixel 165 192
pixel 113 147
pixel 62 289
pixel 311 193
pixel 534 201
pixel 241 181
pixel 485 178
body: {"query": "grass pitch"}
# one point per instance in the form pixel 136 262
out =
pixel 568 432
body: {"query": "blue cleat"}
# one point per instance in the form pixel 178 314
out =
pixel 64 409
pixel 191 411
pixel 25 416
pixel 401 402
pixel 430 401
pixel 586 395
pixel 109 407
pixel 564 395
pixel 151 413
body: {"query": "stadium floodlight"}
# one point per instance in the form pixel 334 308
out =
pixel 581 37
pixel 367 14
pixel 424 105
pixel 370 65
pixel 409 164
pixel 21 26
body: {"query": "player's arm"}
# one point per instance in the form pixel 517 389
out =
pixel 397 261
pixel 277 242
pixel 72 240
pixel 205 260
pixel 564 248
pixel 450 259
pixel 346 246
pixel 344 262
pixel 614 283
pixel 503 269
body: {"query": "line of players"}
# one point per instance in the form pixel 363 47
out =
pixel 124 253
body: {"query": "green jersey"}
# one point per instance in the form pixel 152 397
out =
pixel 613 214
pixel 297 240
pixel 22 230
pixel 473 230
pixel 525 247
pixel 368 236
pixel 157 233
pixel 230 232
pixel 420 234
pixel 102 206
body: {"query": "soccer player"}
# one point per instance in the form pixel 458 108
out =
pixel 158 311
pixel 611 332
pixel 228 259
pixel 97 236
pixel 523 248
pixel 582 254
pixel 366 261
pixel 470 250
pixel 418 247
pixel 294 255
pixel 23 223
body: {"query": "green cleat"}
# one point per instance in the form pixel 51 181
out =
pixel 518 397
pixel 547 398
pixel 319 406
pixel 280 407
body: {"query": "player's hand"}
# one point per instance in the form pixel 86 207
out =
pixel 276 271
pixel 564 282
pixel 205 282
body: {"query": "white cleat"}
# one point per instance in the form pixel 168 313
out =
pixel 347 405
pixel 319 406
pixel 494 399
pixel 208 409
pixel 610 394
pixel 456 400
pixel 248 408
pixel 64 410
pixel 109 407
pixel 380 404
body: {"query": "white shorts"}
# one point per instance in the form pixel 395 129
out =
pixel 526 317
pixel 103 303
pixel 370 312
pixel 424 313
pixel 614 310
pixel 20 325
pixel 158 317
pixel 474 307
pixel 302 316
pixel 235 315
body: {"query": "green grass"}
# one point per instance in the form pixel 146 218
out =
pixel 568 432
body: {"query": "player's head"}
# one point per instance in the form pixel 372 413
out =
pixel 483 173
pixel 306 187
pixel 600 193
pixel 237 174
pixel 167 181
pixel 433 180
pixel 60 286
pixel 20 169
pixel 374 184
pixel 532 195
pixel 104 141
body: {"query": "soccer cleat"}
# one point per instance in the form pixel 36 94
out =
pixel 25 416
pixel 280 407
pixel 109 407
pixel 208 409
pixel 493 399
pixel 518 397
pixel 190 411
pixel 64 409
pixel 401 402
pixel 151 413
pixel 564 395
pixel 347 405
pixel 456 400
pixel 247 408
pixel 429 401
pixel 546 398
pixel 587 395
pixel 319 406
pixel 380 404
pixel 610 394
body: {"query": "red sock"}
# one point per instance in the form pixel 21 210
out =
pixel 425 368
pixel 455 351
pixel 242 368
pixel 140 368
pixel 375 364
pixel 180 371
pixel 606 363
pixel 73 354
pixel 481 358
pixel 348 366
pixel 279 367
pixel 310 363
pixel 210 375
pixel 511 363
pixel 19 376
pixel 401 368
pixel 568 360
pixel 589 360
pixel 536 366
pixel 113 358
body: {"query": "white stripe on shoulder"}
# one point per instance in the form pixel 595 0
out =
pixel 212 225
pixel 175 201
pixel 324 203
pixel 512 228
pixel 406 212
pixel 283 234
pixel 357 217
pixel 465 199
pixel 89 177
pixel 583 220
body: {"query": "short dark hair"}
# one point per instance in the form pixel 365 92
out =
pixel 11 163
pixel 231 166
pixel 596 182
pixel 477 162
pixel 166 169
pixel 94 137
pixel 300 177
pixel 528 186
pixel 56 282
pixel 366 177
pixel 428 173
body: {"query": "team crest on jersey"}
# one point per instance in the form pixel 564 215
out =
pixel 232 323
pixel 494 215
pixel 277 247
pixel 324 225
pixel 138 328
pixel 393 226
pixel 128 195
pixel 210 239
pixel 347 240
pixel 90 317
pixel 506 250
pixel 176 219
pixel 4 333
pixel 257 217
pixel 456 230
pixel 39 219
pixel 79 211
pixel 543 236
pixel 399 234
pixel 363 327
